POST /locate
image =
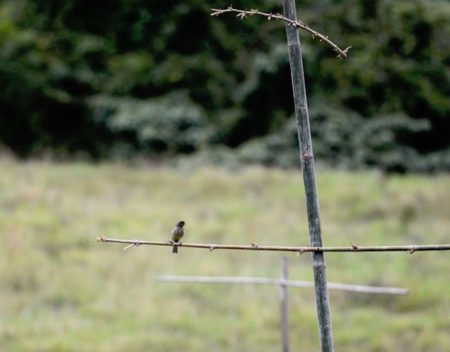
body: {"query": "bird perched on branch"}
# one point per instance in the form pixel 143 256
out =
pixel 177 233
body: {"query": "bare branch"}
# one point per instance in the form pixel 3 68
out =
pixel 253 247
pixel 342 53
pixel 291 283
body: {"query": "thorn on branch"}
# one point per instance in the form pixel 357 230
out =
pixel 131 246
pixel 211 248
pixel 345 51
pixel 254 245
pixel 355 247
pixel 342 54
pixel 300 251
pixel 412 250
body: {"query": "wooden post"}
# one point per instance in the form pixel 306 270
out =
pixel 309 177
pixel 284 305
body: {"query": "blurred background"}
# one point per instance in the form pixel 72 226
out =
pixel 161 78
pixel 121 117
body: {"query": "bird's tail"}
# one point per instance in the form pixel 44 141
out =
pixel 175 249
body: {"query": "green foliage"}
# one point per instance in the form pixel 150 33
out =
pixel 346 139
pixel 397 64
pixel 170 123
pixel 57 57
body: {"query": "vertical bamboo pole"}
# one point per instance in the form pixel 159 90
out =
pixel 309 178
pixel 284 305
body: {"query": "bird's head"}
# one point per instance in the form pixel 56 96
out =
pixel 180 223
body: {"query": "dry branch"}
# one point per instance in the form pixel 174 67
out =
pixel 300 250
pixel 342 53
pixel 291 283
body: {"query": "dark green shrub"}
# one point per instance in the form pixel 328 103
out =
pixel 171 123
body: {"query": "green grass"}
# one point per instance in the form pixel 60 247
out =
pixel 62 291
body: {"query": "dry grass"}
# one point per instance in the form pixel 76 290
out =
pixel 62 291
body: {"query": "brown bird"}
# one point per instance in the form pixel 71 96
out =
pixel 177 233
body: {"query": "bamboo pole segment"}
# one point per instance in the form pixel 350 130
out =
pixel 309 177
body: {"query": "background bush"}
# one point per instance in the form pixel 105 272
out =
pixel 158 77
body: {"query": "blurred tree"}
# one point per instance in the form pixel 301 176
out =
pixel 346 139
pixel 398 66
pixel 89 76
pixel 170 123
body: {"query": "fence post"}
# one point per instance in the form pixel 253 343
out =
pixel 284 305
pixel 309 178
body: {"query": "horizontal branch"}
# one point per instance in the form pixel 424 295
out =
pixel 255 247
pixel 342 53
pixel 291 283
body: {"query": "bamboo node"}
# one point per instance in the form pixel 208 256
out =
pixel 307 155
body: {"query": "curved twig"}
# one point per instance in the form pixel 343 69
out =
pixel 342 53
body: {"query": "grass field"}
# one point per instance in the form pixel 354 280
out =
pixel 62 291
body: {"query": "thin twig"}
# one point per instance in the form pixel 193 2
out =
pixel 253 247
pixel 342 53
pixel 291 283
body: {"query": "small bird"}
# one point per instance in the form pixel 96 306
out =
pixel 177 233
